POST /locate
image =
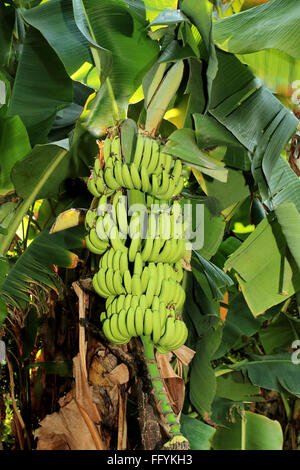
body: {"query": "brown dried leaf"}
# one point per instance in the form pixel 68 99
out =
pixel 83 392
pixel 186 261
pixel 122 422
pixel 175 387
pixel 65 430
pixel 184 354
pixel 119 375
pixel 96 374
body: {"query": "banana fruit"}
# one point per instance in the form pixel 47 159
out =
pixel 140 271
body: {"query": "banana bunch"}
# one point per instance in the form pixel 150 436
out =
pixel 140 271
pixel 151 170
pixel 149 280
pixel 129 316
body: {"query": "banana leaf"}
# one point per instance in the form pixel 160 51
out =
pixel 33 272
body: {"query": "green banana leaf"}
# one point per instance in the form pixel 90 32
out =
pixel 127 53
pixel 282 331
pixel 289 220
pixel 272 372
pixel 49 158
pixel 14 145
pixel 261 27
pixel 200 15
pixel 198 433
pixel 249 432
pixel 56 23
pixel 33 271
pixel 202 376
pixel 265 273
pixel 276 69
pixel 253 115
pixel 7 22
pixel 284 185
pixel 38 93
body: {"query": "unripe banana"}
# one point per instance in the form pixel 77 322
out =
pixel 147 249
pixel 106 328
pixel 168 162
pixel 157 245
pixel 143 302
pixel 123 262
pixel 154 157
pixel 156 327
pixel 179 187
pixel 91 247
pixel 164 184
pixel 91 185
pixel 145 179
pixel 116 260
pixel 151 288
pixel 135 177
pixel 127 302
pixel 147 152
pixel 100 288
pixel 109 280
pixel 155 184
pixel 138 150
pixel 102 316
pixel 170 191
pixel 99 182
pixel 139 320
pixel 109 178
pixel 117 282
pixel 155 303
pixel 169 335
pixel 160 164
pixel 122 323
pixel 110 257
pixel 106 150
pixel 118 174
pixel 130 322
pixel 120 302
pixel 148 322
pixel 114 328
pixel 127 281
pixel 177 169
pixel 181 299
pixel 109 301
pixel 145 278
pixel 138 264
pixel 90 219
pixel 181 333
pixel 115 151
pixel 127 177
pixel 115 240
pixel 136 285
pixel 134 301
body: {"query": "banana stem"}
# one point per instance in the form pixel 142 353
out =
pixel 158 387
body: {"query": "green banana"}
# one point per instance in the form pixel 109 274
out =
pixel 135 177
pixel 127 177
pixel 109 178
pixel 148 322
pixel 138 150
pixel 147 152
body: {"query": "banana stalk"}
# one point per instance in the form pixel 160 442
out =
pixel 177 439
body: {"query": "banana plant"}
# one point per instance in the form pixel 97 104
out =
pixel 158 104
